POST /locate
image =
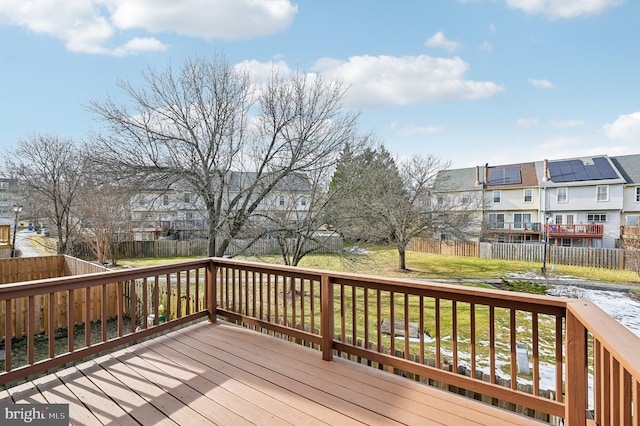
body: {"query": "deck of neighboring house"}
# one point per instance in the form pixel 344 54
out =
pixel 228 375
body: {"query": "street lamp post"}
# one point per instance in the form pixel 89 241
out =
pixel 547 218
pixel 16 209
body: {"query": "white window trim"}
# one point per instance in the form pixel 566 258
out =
pixel 566 190
pixel 606 188
pixel 637 194
pixel 499 193
pixel 524 195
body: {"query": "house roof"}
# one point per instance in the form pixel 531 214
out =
pixel 579 170
pixel 629 167
pixel 521 175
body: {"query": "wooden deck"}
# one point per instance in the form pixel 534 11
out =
pixel 228 375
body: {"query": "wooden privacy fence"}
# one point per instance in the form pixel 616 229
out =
pixel 199 247
pixel 448 247
pixel 36 268
pixel 534 252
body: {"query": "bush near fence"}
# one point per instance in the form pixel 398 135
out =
pixel 199 247
pixel 575 256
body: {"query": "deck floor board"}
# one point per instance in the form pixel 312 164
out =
pixel 223 374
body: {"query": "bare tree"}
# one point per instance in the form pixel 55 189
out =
pixel 193 126
pixel 394 202
pixel 50 171
pixel 104 208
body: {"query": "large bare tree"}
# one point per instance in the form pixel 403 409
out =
pixel 393 200
pixel 230 141
pixel 50 173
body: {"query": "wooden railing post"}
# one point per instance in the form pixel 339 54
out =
pixel 576 384
pixel 326 317
pixel 212 271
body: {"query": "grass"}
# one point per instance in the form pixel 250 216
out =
pixel 383 261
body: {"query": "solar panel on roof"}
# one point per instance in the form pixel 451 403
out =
pixel 504 175
pixel 577 170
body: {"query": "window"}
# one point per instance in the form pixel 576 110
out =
pixel 562 195
pixel 165 200
pixel 596 217
pixel 497 196
pixel 4 185
pixel 633 220
pixel 188 216
pixel 466 198
pixel 638 194
pixel 281 202
pixel 187 197
pixel 440 200
pixel 521 220
pixel 496 220
pixel 602 193
pixel 528 195
pixel 303 202
pixel 142 200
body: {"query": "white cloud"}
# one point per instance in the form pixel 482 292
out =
pixel 527 122
pixel 555 9
pixel 209 19
pixel 567 123
pixel 486 46
pixel 439 40
pixel 391 80
pixel 626 128
pixel 543 84
pixel 90 26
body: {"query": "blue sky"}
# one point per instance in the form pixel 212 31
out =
pixel 469 81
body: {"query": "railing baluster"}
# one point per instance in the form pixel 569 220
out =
pixel 167 307
pixel 536 353
pixel 52 326
pixel 8 333
pixel 156 298
pixel 145 302
pixel 31 329
pixel 379 321
pixel 354 316
pixel 342 315
pixel 71 321
pixel 421 328
pixel 392 321
pixel 559 396
pixel 103 312
pixel 87 316
pixel 197 296
pixel 120 300
pixel 366 316
pixel 302 299
pixel 454 334
pixel 513 349
pixel 253 293
pixel 178 295
pixel 188 293
pixel 438 335
pixel 472 325
pixel 626 398
pixel 492 343
pixel 285 291
pixel 133 305
pixel 406 326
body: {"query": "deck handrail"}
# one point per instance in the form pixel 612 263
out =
pixel 476 330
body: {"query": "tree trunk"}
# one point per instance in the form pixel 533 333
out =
pixel 402 261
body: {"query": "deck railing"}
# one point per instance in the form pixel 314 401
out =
pixel 534 353
pixel 592 230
